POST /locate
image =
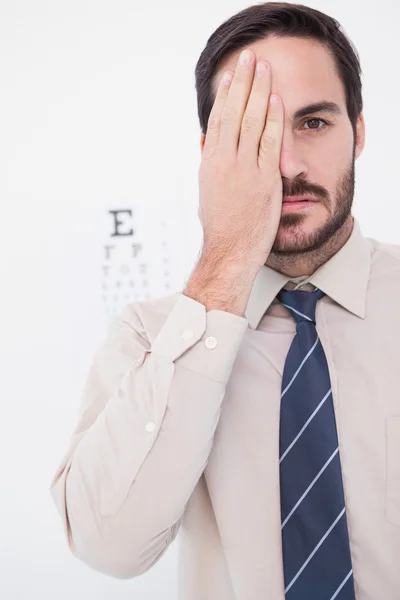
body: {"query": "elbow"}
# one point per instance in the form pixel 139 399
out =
pixel 122 547
pixel 108 564
pixel 122 558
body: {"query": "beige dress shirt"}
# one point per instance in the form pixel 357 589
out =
pixel 178 432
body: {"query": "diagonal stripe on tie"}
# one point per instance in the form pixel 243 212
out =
pixel 315 542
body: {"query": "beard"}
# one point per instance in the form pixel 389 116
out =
pixel 305 243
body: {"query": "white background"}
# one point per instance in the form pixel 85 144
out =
pixel 98 113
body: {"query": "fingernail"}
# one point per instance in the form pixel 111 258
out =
pixel 245 57
pixel 274 100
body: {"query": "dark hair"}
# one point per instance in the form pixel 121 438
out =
pixel 282 20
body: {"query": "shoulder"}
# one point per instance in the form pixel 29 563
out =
pixel 384 252
pixel 385 265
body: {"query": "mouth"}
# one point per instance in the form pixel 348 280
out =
pixel 298 202
pixel 299 199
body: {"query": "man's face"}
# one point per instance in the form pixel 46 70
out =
pixel 316 158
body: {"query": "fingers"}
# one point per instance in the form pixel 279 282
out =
pixel 214 120
pixel 261 130
pixel 243 122
pixel 254 118
pixel 235 104
pixel 271 140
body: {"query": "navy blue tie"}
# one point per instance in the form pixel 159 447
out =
pixel 315 541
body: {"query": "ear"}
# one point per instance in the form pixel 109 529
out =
pixel 199 213
pixel 360 136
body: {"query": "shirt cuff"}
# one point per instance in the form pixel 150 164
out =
pixel 200 341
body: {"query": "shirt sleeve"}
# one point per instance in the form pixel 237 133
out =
pixel 148 414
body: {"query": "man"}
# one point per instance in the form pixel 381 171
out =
pixel 257 413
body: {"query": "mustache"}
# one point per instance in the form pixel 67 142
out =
pixel 302 189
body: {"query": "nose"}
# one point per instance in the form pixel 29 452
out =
pixel 292 164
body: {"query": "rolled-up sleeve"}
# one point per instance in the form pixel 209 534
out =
pixel 149 409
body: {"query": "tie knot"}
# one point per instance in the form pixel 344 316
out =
pixel 301 304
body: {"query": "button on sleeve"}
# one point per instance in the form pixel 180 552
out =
pixel 190 333
pixel 210 343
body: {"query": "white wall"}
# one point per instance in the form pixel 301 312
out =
pixel 87 127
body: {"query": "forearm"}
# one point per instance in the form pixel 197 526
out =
pixel 123 488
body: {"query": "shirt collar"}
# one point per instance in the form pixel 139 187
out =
pixel 344 278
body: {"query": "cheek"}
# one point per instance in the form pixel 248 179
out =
pixel 331 156
pixel 341 143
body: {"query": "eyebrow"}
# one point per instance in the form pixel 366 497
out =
pixel 323 106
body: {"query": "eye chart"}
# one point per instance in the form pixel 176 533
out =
pixel 140 258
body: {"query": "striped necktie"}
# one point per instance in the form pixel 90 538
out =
pixel 315 542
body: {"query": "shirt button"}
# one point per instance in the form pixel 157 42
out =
pixel 187 334
pixel 210 342
pixel 150 426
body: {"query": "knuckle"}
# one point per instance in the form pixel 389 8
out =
pixel 213 122
pixel 222 168
pixel 229 113
pixel 250 123
pixel 274 118
pixel 268 143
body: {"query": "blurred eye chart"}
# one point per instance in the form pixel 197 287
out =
pixel 139 257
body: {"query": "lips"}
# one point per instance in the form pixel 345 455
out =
pixel 299 199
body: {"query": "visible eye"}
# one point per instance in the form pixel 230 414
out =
pixel 316 129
